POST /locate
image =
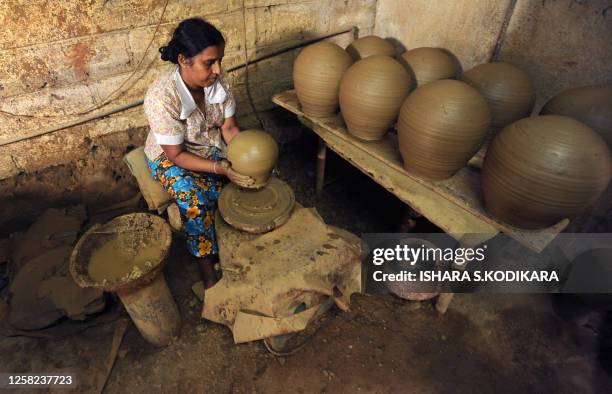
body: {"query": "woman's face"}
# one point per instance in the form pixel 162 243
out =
pixel 204 68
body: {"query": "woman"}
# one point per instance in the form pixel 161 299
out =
pixel 191 117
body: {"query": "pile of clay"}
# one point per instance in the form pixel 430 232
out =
pixel 42 291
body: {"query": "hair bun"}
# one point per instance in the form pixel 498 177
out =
pixel 170 52
pixel 164 53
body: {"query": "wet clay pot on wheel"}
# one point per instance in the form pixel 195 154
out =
pixel 428 65
pixel 367 46
pixel 317 72
pixel 591 105
pixel 441 126
pixel 542 169
pixel 506 88
pixel 253 153
pixel 371 93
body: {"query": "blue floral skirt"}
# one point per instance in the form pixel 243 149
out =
pixel 196 195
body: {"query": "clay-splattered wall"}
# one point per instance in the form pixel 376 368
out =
pixel 61 59
pixel 560 43
pixel 467 28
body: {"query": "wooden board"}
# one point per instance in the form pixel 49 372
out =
pixel 455 204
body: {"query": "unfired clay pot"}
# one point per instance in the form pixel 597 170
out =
pixel 253 153
pixel 507 89
pixel 371 93
pixel 368 46
pixel 428 64
pixel 591 105
pixel 317 72
pixel 441 126
pixel 542 169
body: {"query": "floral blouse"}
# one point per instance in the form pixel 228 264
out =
pixel 175 118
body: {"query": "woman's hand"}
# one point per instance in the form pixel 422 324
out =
pixel 237 178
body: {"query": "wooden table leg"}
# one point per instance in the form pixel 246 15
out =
pixel 465 241
pixel 443 301
pixel 321 156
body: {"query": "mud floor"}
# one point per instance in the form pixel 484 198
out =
pixel 383 344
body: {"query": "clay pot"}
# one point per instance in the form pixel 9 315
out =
pixel 507 89
pixel 368 46
pixel 428 65
pixel 253 153
pixel 591 105
pixel 371 93
pixel 441 126
pixel 542 169
pixel 317 72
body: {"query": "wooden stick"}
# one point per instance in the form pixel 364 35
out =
pixel 321 157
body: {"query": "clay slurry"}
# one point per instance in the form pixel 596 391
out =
pixel 113 261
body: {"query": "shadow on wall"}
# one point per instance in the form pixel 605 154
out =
pixel 273 75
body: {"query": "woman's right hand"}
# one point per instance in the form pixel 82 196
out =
pixel 237 178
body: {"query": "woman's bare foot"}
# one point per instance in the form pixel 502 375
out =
pixel 207 270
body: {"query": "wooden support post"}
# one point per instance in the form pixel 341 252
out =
pixel 465 241
pixel 321 155
pixel 443 301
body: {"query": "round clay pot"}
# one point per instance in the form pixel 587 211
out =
pixel 591 105
pixel 368 46
pixel 253 153
pixel 507 89
pixel 317 72
pixel 371 93
pixel 428 65
pixel 540 170
pixel 441 126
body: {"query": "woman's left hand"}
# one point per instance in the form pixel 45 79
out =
pixel 237 178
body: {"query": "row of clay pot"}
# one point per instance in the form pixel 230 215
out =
pixel 371 91
pixel 563 166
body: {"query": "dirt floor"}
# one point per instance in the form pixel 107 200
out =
pixel 485 343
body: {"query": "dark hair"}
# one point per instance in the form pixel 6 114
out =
pixel 191 37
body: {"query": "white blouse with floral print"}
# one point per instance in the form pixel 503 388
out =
pixel 174 117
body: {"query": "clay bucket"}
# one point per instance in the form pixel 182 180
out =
pixel 591 105
pixel 507 90
pixel 367 46
pixel 542 169
pixel 428 65
pixel 253 153
pixel 317 72
pixel 146 297
pixel 441 126
pixel 371 93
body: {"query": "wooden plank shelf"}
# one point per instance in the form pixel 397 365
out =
pixel 455 204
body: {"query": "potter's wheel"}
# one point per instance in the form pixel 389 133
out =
pixel 257 211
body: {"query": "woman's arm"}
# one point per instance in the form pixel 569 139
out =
pixel 185 159
pixel 189 161
pixel 229 129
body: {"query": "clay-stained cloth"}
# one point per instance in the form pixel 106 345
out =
pixel 275 283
